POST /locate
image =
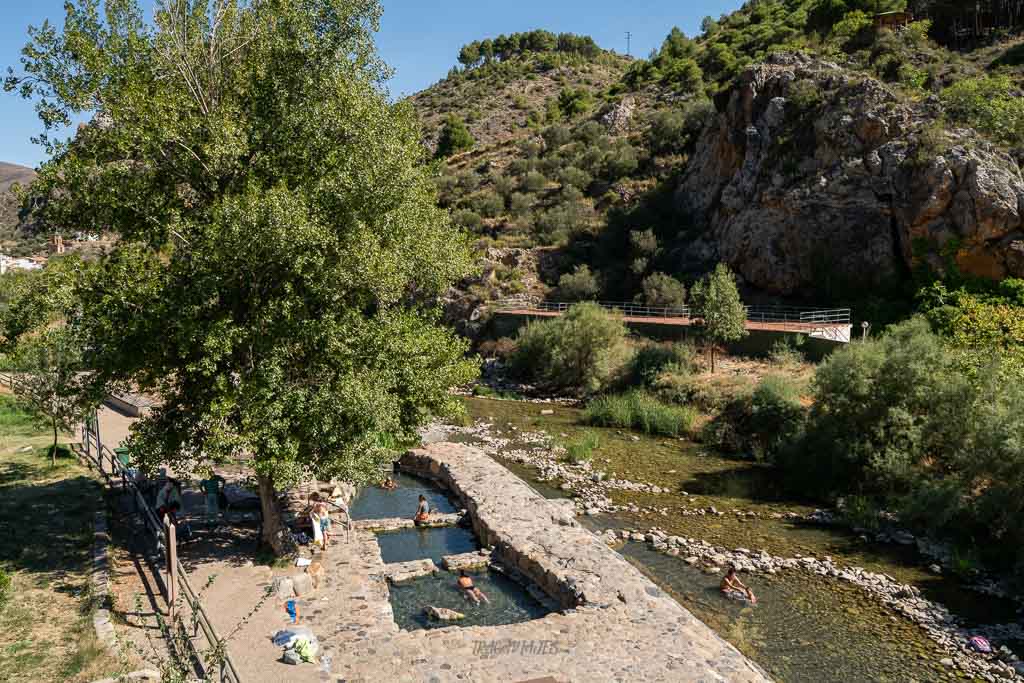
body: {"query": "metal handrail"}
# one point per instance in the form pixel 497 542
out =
pixel 757 314
pixel 228 673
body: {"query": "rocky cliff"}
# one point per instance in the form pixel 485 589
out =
pixel 810 169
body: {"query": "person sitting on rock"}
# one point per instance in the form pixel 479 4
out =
pixel 422 512
pixel 470 591
pixel 732 585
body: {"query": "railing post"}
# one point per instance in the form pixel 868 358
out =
pixel 172 568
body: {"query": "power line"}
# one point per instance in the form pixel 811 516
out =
pixel 629 37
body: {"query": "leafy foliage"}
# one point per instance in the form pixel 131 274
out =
pixel 665 291
pixel 579 285
pixel 580 350
pixel 280 247
pixel 895 418
pixel 991 104
pixel 717 301
pixel 455 137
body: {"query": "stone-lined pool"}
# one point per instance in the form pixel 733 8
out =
pixel 509 602
pixel 373 502
pixel 416 544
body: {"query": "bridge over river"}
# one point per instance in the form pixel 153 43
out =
pixel 832 324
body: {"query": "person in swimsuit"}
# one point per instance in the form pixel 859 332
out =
pixel 469 591
pixel 731 584
pixel 422 512
pixel 389 484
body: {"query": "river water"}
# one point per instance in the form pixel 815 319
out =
pixel 805 627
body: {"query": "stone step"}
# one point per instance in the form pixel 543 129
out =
pixel 471 560
pixel 396 523
pixel 398 572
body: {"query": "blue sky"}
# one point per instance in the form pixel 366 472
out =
pixel 419 39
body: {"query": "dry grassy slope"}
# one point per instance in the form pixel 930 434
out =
pixel 9 175
pixel 496 105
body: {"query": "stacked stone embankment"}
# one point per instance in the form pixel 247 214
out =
pixel 641 627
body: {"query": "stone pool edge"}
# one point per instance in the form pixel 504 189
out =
pixel 576 568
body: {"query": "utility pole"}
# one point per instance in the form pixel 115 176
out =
pixel 629 37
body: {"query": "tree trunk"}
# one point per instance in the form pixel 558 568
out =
pixel 53 451
pixel 275 536
pixel 712 359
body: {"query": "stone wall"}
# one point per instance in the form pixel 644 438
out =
pixel 569 563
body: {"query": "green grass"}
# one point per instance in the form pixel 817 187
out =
pixel 46 519
pixel 581 450
pixel 641 411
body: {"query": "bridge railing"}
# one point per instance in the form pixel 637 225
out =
pixel 628 308
pixel 796 317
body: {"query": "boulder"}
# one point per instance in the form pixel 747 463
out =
pixel 442 613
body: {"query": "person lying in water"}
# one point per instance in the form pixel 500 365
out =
pixel 732 584
pixel 389 484
pixel 469 591
pixel 422 512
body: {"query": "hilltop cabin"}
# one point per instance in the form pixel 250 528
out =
pixel 894 21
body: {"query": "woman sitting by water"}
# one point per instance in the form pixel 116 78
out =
pixel 422 512
pixel 733 587
pixel 469 591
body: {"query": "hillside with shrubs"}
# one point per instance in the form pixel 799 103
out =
pixel 818 152
pixel 886 157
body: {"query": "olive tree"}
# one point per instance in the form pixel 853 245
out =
pixel 280 253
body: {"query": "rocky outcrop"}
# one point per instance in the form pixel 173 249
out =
pixel 812 171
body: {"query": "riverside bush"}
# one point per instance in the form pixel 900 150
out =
pixel 581 351
pixel 641 411
pixel 653 359
pixel 896 418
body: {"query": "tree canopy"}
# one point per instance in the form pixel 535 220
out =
pixel 280 250
pixel 717 301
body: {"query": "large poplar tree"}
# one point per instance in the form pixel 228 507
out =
pixel 280 254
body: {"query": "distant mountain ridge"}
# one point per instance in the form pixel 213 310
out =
pixel 13 173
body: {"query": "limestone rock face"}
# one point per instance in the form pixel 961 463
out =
pixel 810 171
pixel 618 117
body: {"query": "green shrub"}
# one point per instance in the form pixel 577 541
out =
pixel 620 162
pixel 534 182
pixel 582 449
pixel 653 359
pixel 488 204
pixel 503 185
pixel 574 177
pixel 455 137
pixel 989 104
pixel 589 133
pixel 555 136
pixel 470 220
pixel 787 351
pixel 641 411
pixel 860 512
pixel 582 350
pixel 579 285
pixel 560 222
pixel 519 204
pixel 574 101
pixel 776 416
pixel 665 291
pixel 5 589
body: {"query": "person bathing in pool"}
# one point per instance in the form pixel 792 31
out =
pixel 422 512
pixel 469 591
pixel 731 584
